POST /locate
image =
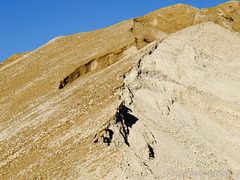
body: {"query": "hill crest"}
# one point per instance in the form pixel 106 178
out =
pixel 59 102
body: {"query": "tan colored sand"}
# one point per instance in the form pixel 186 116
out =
pixel 47 132
pixel 185 96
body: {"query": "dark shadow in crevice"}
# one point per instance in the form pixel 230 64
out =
pixel 151 152
pixel 126 120
pixel 108 136
pixel 123 120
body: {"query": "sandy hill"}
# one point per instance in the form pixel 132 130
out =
pixel 149 98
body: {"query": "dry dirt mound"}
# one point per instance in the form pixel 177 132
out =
pixel 183 108
pixel 59 102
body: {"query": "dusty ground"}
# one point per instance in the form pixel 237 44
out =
pixel 56 101
pixel 184 101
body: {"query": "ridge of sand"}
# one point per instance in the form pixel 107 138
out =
pixel 59 99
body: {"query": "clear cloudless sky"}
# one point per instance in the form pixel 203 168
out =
pixel 28 24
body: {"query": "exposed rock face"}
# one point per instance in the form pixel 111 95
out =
pixel 128 101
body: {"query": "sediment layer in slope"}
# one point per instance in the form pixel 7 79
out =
pixel 47 132
pixel 182 110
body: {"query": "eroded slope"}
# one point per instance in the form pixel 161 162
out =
pixel 184 101
pixel 47 132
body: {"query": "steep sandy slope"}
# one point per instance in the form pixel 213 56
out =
pixel 57 100
pixel 171 19
pixel 183 105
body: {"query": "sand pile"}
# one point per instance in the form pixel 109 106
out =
pixel 131 100
pixel 183 101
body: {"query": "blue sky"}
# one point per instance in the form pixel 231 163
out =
pixel 28 24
